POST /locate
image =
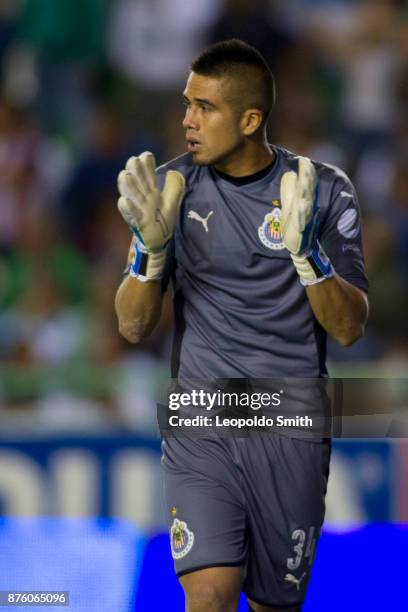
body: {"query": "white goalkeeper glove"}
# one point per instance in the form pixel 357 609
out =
pixel 300 223
pixel 150 213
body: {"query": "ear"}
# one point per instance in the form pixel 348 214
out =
pixel 251 120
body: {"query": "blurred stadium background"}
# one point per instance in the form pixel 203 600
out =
pixel 84 84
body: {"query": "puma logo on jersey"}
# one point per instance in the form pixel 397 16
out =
pixel 194 215
pixel 291 578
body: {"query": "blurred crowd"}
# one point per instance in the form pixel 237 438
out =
pixel 86 83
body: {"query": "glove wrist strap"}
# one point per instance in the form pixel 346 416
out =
pixel 147 265
pixel 314 266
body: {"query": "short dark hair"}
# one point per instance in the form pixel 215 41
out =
pixel 244 64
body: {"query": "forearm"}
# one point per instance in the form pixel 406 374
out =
pixel 340 307
pixel 138 308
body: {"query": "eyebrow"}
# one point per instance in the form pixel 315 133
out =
pixel 199 100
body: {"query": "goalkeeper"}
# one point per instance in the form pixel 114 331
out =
pixel 263 251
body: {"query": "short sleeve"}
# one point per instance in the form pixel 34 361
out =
pixel 340 234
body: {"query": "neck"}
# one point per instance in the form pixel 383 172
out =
pixel 247 160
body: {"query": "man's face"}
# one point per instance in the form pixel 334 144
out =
pixel 212 125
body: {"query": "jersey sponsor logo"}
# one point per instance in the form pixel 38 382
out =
pixel 296 581
pixel 348 224
pixel 270 231
pixel 204 220
pixel 181 539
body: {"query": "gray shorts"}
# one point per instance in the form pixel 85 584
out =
pixel 255 502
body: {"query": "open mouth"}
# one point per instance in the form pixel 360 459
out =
pixel 193 145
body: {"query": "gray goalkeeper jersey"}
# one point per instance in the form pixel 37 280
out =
pixel 240 310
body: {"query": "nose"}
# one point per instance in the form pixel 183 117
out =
pixel 190 120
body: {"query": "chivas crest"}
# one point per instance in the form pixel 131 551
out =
pixel 181 539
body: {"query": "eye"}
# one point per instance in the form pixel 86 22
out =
pixel 186 103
